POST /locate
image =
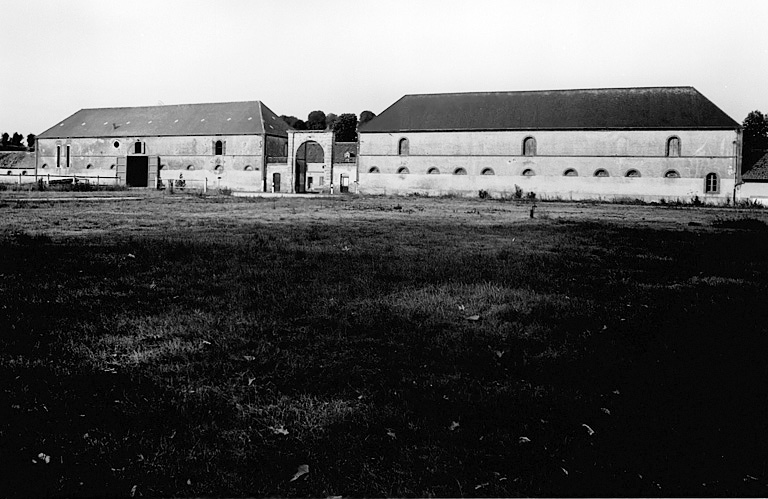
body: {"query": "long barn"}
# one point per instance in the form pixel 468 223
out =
pixel 651 143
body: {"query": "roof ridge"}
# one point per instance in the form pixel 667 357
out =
pixel 170 105
pixel 687 87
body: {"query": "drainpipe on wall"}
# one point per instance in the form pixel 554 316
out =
pixel 36 156
pixel 737 163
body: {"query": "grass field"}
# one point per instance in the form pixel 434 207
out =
pixel 189 346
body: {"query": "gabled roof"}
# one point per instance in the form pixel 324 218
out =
pixel 224 118
pixel 656 108
pixel 759 171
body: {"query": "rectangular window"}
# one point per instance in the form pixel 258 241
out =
pixel 58 156
pixel 68 147
pixel 320 180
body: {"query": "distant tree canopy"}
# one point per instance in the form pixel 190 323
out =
pixel 294 122
pixel 755 135
pixel 316 120
pixel 345 128
pixel 330 119
pixel 366 116
pixel 31 139
pixel 12 143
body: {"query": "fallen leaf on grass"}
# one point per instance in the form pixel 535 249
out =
pixel 301 471
pixel 473 318
pixel 590 431
pixel 565 471
pixel 524 440
pixel 279 430
pixel 454 425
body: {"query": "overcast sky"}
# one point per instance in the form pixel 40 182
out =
pixel 59 56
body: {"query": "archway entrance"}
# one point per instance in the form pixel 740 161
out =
pixel 310 160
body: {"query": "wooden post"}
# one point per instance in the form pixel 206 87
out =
pixel 205 186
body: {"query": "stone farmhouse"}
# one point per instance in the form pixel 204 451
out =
pixel 649 143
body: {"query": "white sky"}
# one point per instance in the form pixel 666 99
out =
pixel 339 56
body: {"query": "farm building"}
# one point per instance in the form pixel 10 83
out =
pixel 649 143
pixel 224 144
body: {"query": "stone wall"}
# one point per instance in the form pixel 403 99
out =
pixel 494 161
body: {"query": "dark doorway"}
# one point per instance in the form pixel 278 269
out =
pixel 276 181
pixel 137 171
pixel 345 183
pixel 308 152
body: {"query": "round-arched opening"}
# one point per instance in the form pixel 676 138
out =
pixel 632 173
pixel 45 165
pixel 218 169
pixel 459 171
pixel 248 168
pixel 671 174
pixel 24 172
pixel 529 146
pixel 116 144
pixel 570 172
pixel 88 166
pixel 433 171
pixel 373 169
pixel 308 153
pixel 488 171
pixel 601 172
pixel 528 173
pixel 403 171
pixel 190 167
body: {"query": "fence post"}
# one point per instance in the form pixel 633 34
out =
pixel 97 180
pixel 19 179
pixel 205 186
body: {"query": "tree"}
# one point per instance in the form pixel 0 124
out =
pixel 330 119
pixel 755 135
pixel 294 122
pixel 31 141
pixel 17 139
pixel 345 128
pixel 316 120
pixel 5 140
pixel 366 116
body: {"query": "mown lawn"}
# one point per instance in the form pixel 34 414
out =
pixel 184 346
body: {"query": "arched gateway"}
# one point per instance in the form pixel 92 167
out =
pixel 311 160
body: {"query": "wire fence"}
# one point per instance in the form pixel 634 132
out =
pixel 25 178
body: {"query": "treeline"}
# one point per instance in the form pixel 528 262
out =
pixel 344 126
pixel 755 129
pixel 16 142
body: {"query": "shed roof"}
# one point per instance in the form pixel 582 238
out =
pixel 592 109
pixel 223 118
pixel 758 171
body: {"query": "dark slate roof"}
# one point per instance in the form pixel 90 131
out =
pixel 224 118
pixel 340 148
pixel 759 170
pixel 593 109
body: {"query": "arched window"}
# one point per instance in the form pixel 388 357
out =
pixel 488 171
pixel 459 171
pixel 433 171
pixel 218 148
pixel 601 173
pixel 529 146
pixel 671 174
pixel 138 147
pixel 190 167
pixel 673 147
pixel 9 172
pixel 24 172
pixel 218 169
pixel 403 171
pixel 528 172
pixel 373 169
pixel 248 168
pixel 570 172
pixel 632 173
pixel 88 166
pixel 711 185
pixel 116 144
pixel 58 156
pixel 69 150
pixel 403 149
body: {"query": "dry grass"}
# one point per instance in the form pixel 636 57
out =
pixel 398 347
